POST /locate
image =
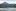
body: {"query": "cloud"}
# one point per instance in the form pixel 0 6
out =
pixel 8 1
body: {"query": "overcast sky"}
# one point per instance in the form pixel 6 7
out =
pixel 9 1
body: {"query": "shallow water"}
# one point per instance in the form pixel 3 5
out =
pixel 8 9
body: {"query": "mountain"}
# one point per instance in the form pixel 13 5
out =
pixel 4 3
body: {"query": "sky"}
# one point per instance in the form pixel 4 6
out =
pixel 8 1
